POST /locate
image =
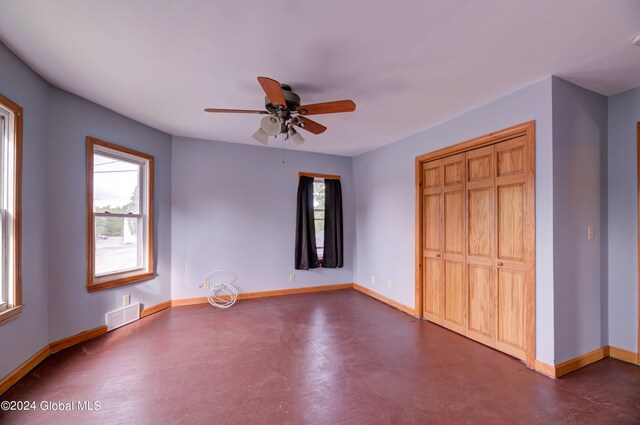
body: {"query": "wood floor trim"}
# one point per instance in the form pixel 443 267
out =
pixel 52 348
pixel 265 294
pixel 26 367
pixel 61 344
pixel 585 360
pixel 309 289
pixel 189 301
pixel 155 308
pixel 384 299
pixel 581 361
pixel 545 369
pixel 624 355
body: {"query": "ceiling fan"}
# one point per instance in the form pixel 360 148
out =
pixel 284 112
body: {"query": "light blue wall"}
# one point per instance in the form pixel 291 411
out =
pixel 234 208
pixel 57 304
pixel 71 308
pixel 624 113
pixel 23 337
pixel 579 201
pixel 385 200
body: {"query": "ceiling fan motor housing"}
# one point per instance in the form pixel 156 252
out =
pixel 292 99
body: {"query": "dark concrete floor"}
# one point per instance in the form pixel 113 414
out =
pixel 328 358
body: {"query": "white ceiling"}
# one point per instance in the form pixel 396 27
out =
pixel 407 64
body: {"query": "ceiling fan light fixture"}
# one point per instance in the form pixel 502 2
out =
pixel 296 138
pixel 271 125
pixel 261 137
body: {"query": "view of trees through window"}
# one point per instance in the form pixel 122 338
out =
pixel 108 226
pixel 318 214
pixel 120 207
pixel 118 215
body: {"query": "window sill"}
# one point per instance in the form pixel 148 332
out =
pixel 119 281
pixel 10 314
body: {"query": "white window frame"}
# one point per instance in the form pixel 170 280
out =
pixel 145 268
pixel 4 284
pixel 10 209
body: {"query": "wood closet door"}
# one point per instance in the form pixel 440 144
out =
pixel 478 235
pixel 480 192
pixel 511 217
pixel 433 267
pixel 496 191
pixel 453 238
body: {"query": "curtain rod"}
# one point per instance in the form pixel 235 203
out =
pixel 321 176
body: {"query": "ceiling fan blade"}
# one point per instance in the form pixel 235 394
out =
pixel 327 107
pixel 236 111
pixel 273 90
pixel 310 126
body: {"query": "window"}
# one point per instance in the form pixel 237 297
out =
pixel 119 215
pixel 10 207
pixel 319 233
pixel 318 214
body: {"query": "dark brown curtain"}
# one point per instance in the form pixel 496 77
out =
pixel 306 252
pixel 333 250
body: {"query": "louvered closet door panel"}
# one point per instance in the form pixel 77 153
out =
pixel 511 261
pixel 455 288
pixel 433 267
pixel 480 193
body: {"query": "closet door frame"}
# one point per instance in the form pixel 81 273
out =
pixel 526 129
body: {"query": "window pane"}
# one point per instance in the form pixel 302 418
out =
pixel 318 214
pixel 4 142
pixel 318 195
pixel 115 185
pixel 4 284
pixel 320 240
pixel 4 288
pixel 117 244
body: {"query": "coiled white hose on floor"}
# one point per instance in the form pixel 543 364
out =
pixel 221 293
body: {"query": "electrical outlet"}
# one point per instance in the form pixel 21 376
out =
pixel 373 280
pixel 205 285
pixel 292 277
pixel 590 232
pixel 126 300
pixel 389 284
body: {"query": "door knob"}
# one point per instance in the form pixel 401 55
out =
pixel 500 264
